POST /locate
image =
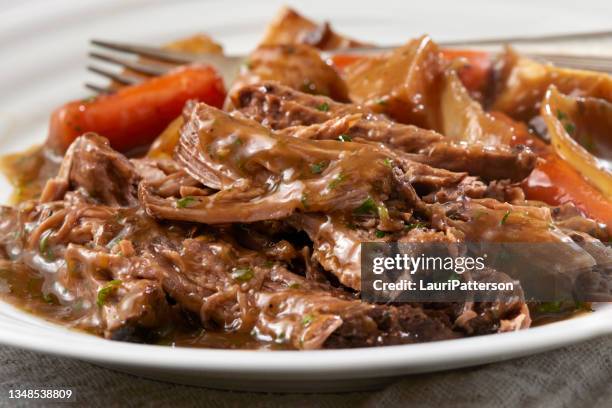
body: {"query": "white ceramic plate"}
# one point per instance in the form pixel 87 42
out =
pixel 42 48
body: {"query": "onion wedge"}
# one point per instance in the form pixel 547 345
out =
pixel 562 115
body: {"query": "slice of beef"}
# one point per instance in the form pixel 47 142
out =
pixel 280 107
pixel 556 257
pixel 273 304
pixel 74 247
pixel 337 241
pixel 498 163
pixel 91 165
pixel 265 175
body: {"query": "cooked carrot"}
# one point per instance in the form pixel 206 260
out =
pixel 133 116
pixel 555 182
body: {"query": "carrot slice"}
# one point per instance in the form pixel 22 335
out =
pixel 135 115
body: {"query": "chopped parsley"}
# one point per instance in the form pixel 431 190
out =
pixel 294 285
pixel 587 142
pixel 242 274
pixel 381 102
pixel 561 115
pixel 106 290
pixel 368 206
pixel 44 247
pixel 318 168
pixel 307 319
pixel 336 181
pixel 380 234
pixel 185 202
pixel 505 217
pixel 324 107
pixel 387 162
pixel 413 225
pixel 565 120
pixel 345 138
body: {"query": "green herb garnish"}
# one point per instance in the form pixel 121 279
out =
pixel 185 202
pixel 570 128
pixel 505 217
pixel 307 319
pixel 368 206
pixel 561 115
pixel 336 181
pixel 345 138
pixel 294 285
pixel 44 247
pixel 387 162
pixel 413 225
pixel 318 168
pixel 242 274
pixel 324 107
pixel 380 234
pixel 106 290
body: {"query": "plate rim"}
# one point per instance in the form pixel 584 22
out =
pixel 373 362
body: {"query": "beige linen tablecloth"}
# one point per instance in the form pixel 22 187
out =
pixel 576 376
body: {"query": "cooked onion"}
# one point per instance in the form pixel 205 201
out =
pixel 558 111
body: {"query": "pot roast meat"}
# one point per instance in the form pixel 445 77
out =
pixel 125 296
pixel 514 163
pixel 280 107
pixel 278 306
pixel 265 175
pixel 102 173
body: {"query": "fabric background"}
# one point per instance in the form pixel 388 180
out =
pixel 575 376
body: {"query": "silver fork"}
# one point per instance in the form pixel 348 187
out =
pixel 160 61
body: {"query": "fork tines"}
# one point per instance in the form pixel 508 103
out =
pixel 149 61
pixel 141 61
